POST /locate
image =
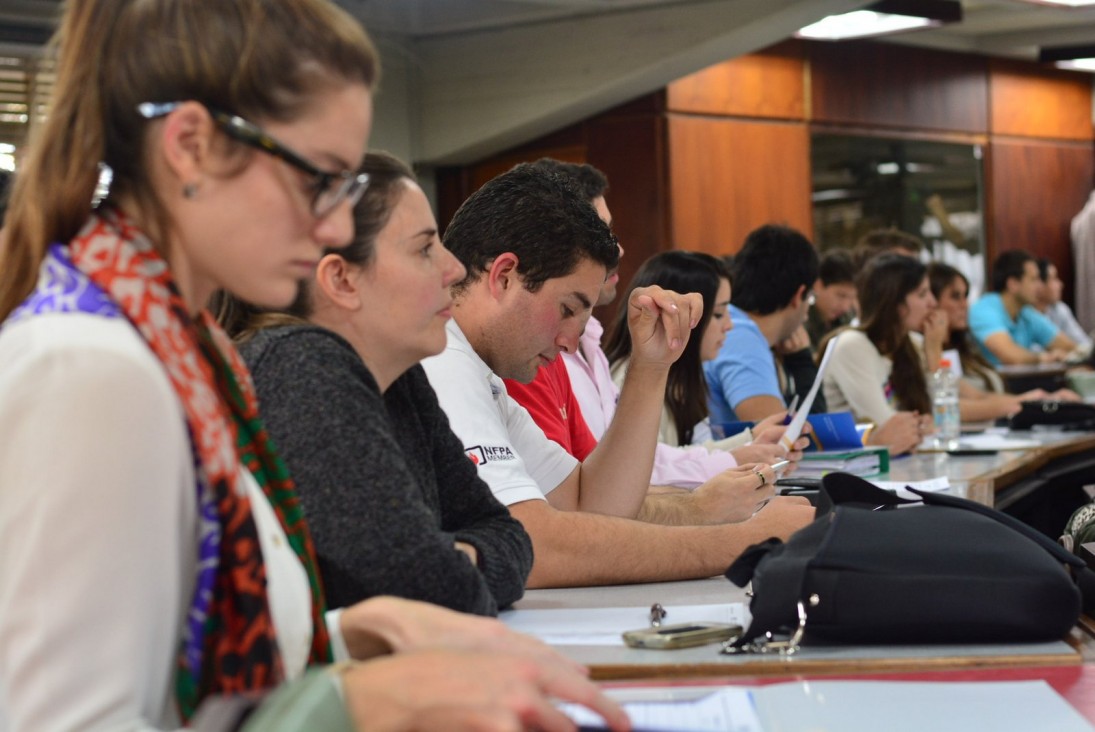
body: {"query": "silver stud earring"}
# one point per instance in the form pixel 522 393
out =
pixel 190 190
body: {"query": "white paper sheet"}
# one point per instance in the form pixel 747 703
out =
pixel 604 626
pixel 730 710
pixel 857 706
pixel 985 441
pixel 929 484
pixel 795 428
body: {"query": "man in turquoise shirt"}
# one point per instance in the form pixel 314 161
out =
pixel 1005 323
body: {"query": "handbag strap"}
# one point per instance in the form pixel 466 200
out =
pixel 846 489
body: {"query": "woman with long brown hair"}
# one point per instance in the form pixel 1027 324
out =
pixel 153 554
pixel 876 371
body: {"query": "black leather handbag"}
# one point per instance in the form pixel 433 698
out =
pixel 1067 415
pixel 875 568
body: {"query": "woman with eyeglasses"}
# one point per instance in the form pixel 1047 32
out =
pixel 153 555
pixel 981 389
pixel 876 370
pixel 394 503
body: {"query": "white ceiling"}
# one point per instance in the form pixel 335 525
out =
pixel 993 27
pixel 467 78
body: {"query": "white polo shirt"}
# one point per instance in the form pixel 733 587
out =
pixel 514 457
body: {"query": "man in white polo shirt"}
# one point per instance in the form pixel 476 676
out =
pixel 537 254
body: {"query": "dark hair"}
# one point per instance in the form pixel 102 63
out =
pixel 773 264
pixel 387 182
pixel 883 286
pixel 258 59
pixel 881 241
pixel 537 215
pixel 940 277
pixel 1009 265
pixel 686 390
pixel 835 268
pixel 1043 268
pixel 590 181
pixel 5 190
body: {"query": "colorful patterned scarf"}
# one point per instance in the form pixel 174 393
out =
pixel 111 269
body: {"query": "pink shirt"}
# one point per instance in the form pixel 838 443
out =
pixel 591 382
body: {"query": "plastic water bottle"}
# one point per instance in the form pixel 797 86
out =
pixel 948 421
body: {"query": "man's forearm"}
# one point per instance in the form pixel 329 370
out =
pixel 677 508
pixel 576 549
pixel 615 478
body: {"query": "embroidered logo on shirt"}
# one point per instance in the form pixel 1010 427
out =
pixel 481 454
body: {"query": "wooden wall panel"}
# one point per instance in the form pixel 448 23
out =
pixel 766 84
pixel 630 150
pixel 886 85
pixel 728 177
pixel 627 143
pixel 1034 189
pixel 1038 102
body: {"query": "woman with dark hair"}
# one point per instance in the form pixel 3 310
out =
pixel 981 390
pixel 877 372
pixel 686 391
pixel 155 558
pixel 395 506
pixel 685 413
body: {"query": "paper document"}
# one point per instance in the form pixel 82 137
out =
pixel 729 710
pixel 858 706
pixel 795 428
pixel 985 441
pixel 930 484
pixel 604 626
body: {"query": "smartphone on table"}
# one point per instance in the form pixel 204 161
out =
pixel 683 635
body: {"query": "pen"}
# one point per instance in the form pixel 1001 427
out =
pixel 779 467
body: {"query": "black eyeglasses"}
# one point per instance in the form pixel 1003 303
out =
pixel 330 189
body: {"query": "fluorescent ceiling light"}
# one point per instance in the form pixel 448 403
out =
pixel 884 18
pixel 1076 58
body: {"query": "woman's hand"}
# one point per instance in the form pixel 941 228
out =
pixel 396 625
pixel 772 452
pixel 936 331
pixel 901 433
pixel 735 494
pixel 461 690
pixel 660 322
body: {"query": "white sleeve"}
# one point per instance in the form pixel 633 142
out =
pixel 333 619
pixel 97 528
pixel 853 371
pixel 546 461
pixel 475 415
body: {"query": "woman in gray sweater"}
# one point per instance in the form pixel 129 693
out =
pixel 394 504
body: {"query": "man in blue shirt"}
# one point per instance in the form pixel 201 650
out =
pixel 772 277
pixel 1005 323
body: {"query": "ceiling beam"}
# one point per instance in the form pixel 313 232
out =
pixel 479 93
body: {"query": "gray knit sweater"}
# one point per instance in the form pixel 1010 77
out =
pixel 384 483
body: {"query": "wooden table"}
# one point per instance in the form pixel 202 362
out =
pixel 987 478
pixel 1068 667
pixel 621 662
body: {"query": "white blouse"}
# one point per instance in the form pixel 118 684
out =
pixel 98 532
